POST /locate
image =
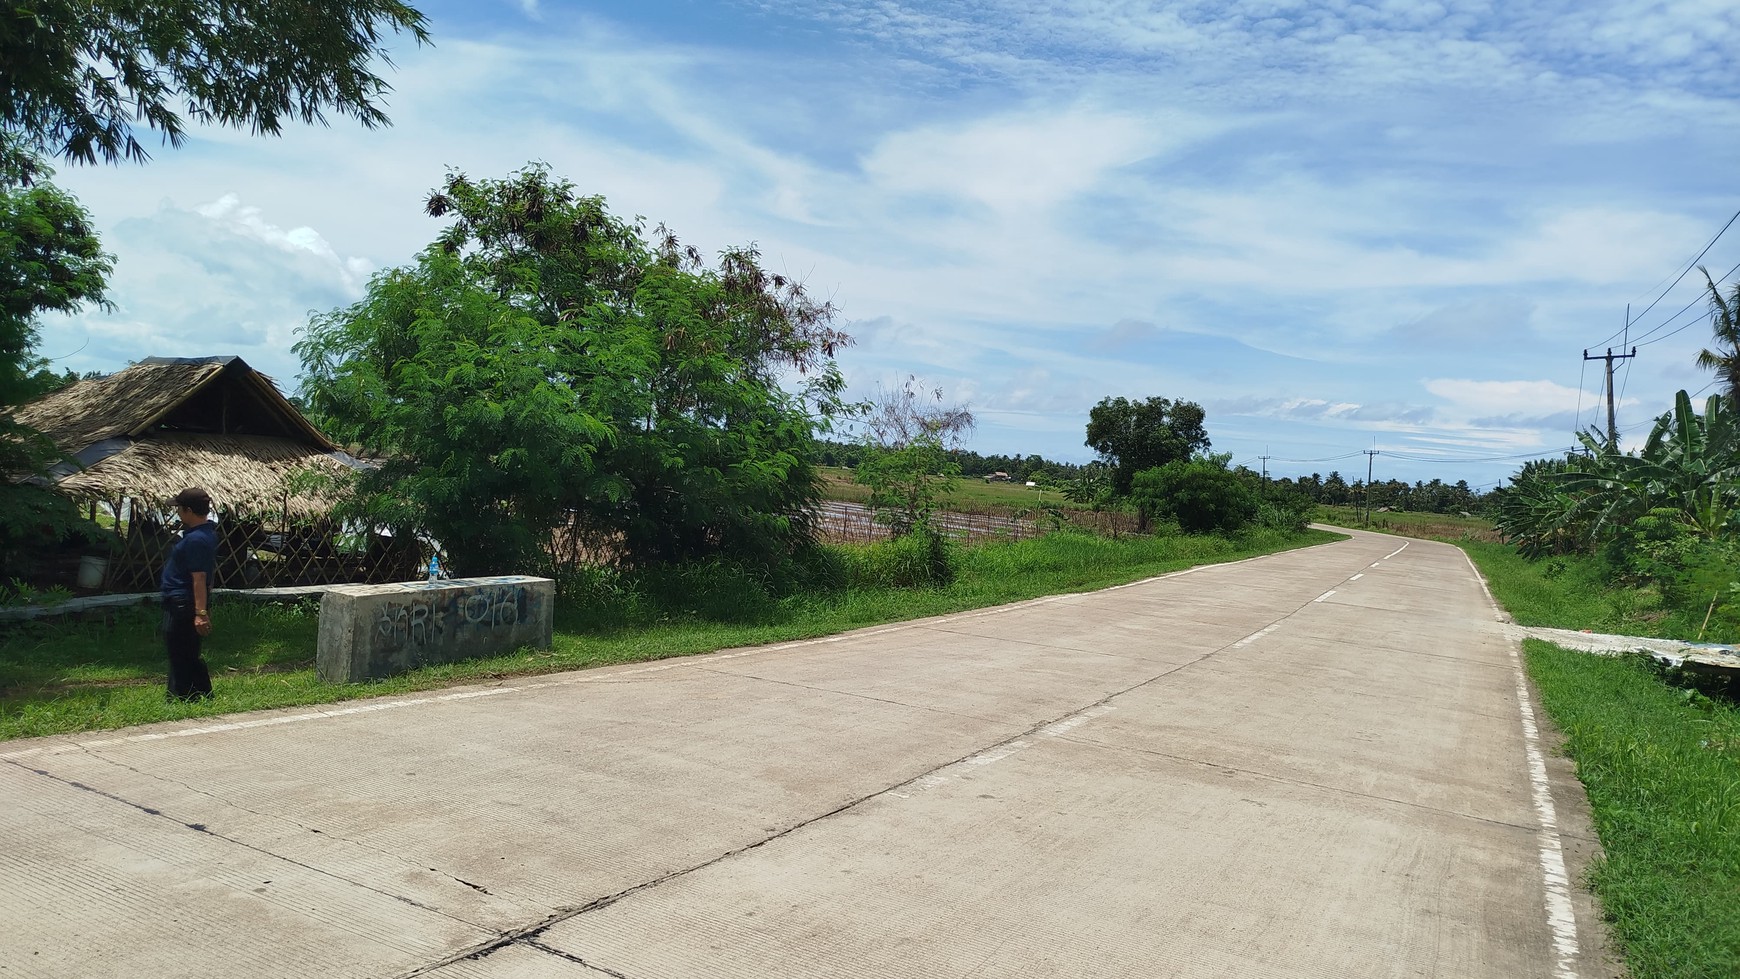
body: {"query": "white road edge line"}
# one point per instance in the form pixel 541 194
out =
pixel 1561 919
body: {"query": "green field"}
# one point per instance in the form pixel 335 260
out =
pixel 1433 526
pixel 971 493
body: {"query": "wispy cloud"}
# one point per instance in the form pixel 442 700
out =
pixel 1324 221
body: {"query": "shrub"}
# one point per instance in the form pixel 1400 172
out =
pixel 1202 495
pixel 1286 513
pixel 921 559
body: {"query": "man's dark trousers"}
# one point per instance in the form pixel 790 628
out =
pixel 188 676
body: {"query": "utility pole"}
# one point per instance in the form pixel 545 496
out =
pixel 1370 455
pixel 1610 357
pixel 1265 459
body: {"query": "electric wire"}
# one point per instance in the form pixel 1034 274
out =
pixel 1644 341
pixel 1689 266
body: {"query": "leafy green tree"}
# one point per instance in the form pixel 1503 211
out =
pixel 543 366
pixel 1725 330
pixel 50 261
pixel 460 395
pixel 1132 436
pixel 1335 491
pixel 909 460
pixel 1201 494
pixel 79 73
pixel 907 483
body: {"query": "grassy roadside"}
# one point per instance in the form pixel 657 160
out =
pixel 91 676
pixel 1432 526
pixel 1569 593
pixel 1660 762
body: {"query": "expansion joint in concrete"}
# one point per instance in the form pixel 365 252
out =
pixel 273 816
pixel 570 957
pixel 207 831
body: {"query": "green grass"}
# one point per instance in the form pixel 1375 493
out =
pixel 1434 526
pixel 1569 592
pixel 970 493
pixel 1660 762
pixel 82 676
pixel 1662 768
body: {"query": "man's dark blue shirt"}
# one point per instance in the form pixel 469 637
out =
pixel 195 551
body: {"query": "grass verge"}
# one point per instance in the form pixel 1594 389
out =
pixel 1431 526
pixel 83 676
pixel 1662 769
pixel 1660 763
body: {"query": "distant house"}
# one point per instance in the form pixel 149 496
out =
pixel 998 477
pixel 139 436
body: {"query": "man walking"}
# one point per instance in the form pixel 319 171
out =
pixel 186 589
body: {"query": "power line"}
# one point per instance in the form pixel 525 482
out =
pixel 1338 458
pixel 1469 460
pixel 1642 340
pixel 1689 266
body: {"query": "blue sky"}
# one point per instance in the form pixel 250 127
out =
pixel 1334 225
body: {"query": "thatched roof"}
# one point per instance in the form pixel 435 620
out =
pixel 212 395
pixel 242 472
pixel 165 424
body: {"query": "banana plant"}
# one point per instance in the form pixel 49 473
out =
pixel 1536 513
pixel 1690 464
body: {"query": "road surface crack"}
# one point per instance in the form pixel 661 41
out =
pixel 205 830
pixel 279 817
pixel 570 957
pixel 1015 741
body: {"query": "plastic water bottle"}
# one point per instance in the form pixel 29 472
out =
pixel 434 566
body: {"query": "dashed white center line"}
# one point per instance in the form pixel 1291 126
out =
pixel 1321 597
pixel 1253 637
pixel 1395 552
pixel 1357 576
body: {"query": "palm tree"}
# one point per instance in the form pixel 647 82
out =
pixel 1725 327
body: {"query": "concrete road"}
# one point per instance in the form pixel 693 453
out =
pixel 1320 763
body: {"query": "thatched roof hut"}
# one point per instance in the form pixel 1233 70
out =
pixel 163 424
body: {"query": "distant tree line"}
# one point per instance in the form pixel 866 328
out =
pixel 848 455
pixel 1436 496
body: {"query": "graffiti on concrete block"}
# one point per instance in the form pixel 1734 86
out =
pixel 430 619
pixel 490 607
pixel 420 623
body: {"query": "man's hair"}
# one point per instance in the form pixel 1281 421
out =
pixel 195 499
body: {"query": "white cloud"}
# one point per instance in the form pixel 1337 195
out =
pixel 1540 397
pixel 229 213
pixel 1385 191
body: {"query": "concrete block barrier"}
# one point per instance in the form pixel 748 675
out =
pixel 373 631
